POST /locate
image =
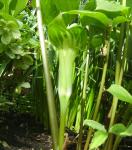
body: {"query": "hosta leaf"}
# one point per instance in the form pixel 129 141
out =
pixel 117 129
pixel 98 139
pixel 95 125
pixel 121 93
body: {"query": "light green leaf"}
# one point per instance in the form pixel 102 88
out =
pixel 6 38
pixel 119 19
pixel 111 8
pixel 95 125
pixel 25 85
pixel 117 129
pixel 121 93
pixel 16 34
pixel 16 6
pixel 67 4
pixel 98 139
pixel 49 10
pixel 128 131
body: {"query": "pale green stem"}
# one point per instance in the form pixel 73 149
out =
pixel 49 88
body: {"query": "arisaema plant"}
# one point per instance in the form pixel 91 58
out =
pixel 68 40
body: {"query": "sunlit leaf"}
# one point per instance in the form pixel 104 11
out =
pixel 111 8
pixel 95 125
pixel 117 129
pixel 98 139
pixel 121 93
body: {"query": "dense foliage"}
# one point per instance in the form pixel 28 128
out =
pixel 87 62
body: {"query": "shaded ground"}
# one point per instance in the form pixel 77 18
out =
pixel 22 132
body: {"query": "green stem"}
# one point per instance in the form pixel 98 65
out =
pixel 108 145
pixel 62 123
pixel 98 101
pixel 49 88
pixel 79 146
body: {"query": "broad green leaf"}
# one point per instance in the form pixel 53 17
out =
pixel 121 93
pixel 119 19
pixel 128 131
pixel 117 129
pixel 19 6
pixel 90 17
pixel 95 125
pixel 98 139
pixel 5 8
pixel 90 5
pixel 111 8
pixel 67 4
pixel 49 10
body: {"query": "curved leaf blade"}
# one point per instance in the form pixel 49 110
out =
pixel 98 139
pixel 121 93
pixel 95 125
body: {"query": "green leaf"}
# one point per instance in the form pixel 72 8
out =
pixel 95 125
pixel 19 6
pixel 67 4
pixel 119 19
pixel 121 93
pixel 128 131
pixel 25 85
pixel 2 48
pixel 117 129
pixel 93 18
pixel 90 5
pixel 10 54
pixel 111 8
pixel 16 34
pixel 49 10
pixel 98 139
pixel 6 38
